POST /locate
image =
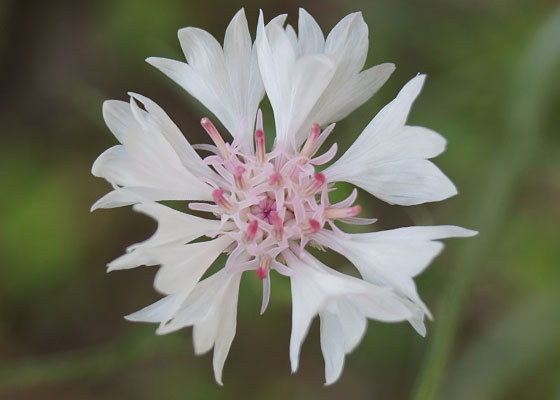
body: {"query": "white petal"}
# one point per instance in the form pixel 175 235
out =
pixel 404 182
pixel 246 83
pixel 392 258
pixel 201 49
pixel 174 228
pixel 158 119
pixel 311 39
pixel 348 43
pixel 293 85
pixel 117 198
pixel 389 159
pixel 317 288
pixel 211 308
pixel 292 35
pixel 147 160
pixel 346 46
pixel 276 57
pixel 312 74
pixel 131 259
pixel 183 266
pixel 226 330
pixel 226 81
pixel 118 117
pixel 332 346
pixel 237 58
pixel 341 100
pixel 155 312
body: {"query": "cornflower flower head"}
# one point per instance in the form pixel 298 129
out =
pixel 267 207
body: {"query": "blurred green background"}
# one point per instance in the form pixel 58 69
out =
pixel 493 91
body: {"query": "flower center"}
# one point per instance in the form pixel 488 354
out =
pixel 269 202
pixel 264 209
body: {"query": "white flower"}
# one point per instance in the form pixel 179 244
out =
pixel 266 207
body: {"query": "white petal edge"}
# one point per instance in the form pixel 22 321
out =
pixel 174 228
pixel 394 257
pixel 183 266
pixel 317 288
pixel 389 159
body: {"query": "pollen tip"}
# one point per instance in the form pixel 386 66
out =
pixel 261 273
pixel 217 194
pixel 264 265
pixel 319 177
pixel 312 226
pixel 219 199
pixel 315 130
pixel 252 230
pixel 261 146
pixel 355 210
pixel 204 121
pixel 318 181
pixel 278 225
pixel 275 179
pixel 315 225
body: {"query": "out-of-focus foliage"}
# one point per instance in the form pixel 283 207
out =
pixel 61 329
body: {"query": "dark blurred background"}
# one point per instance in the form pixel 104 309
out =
pixel 493 91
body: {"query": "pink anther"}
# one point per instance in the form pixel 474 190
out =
pixel 220 200
pixel 251 231
pixel 278 226
pixel 238 177
pixel 318 181
pixel 275 180
pixel 261 146
pixel 309 145
pixel 264 265
pixel 215 136
pixel 312 226
pixel 334 213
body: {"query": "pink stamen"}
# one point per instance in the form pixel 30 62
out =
pixel 310 143
pixel 215 136
pixel 220 200
pixel 238 177
pixel 261 147
pixel 318 181
pixel 264 265
pixel 278 226
pixel 275 180
pixel 251 231
pixel 334 213
pixel 312 226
